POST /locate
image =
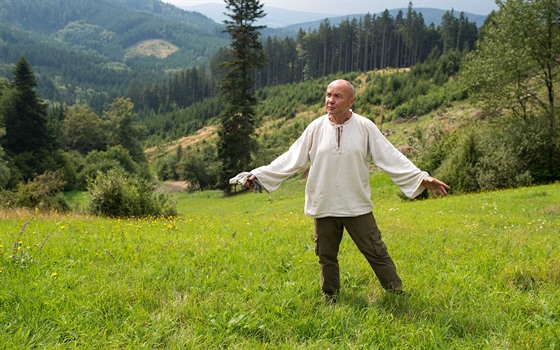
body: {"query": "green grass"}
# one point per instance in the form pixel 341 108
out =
pixel 78 200
pixel 482 271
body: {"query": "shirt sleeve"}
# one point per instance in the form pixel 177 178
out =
pixel 287 164
pixel 399 168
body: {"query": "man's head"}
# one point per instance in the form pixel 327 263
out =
pixel 339 98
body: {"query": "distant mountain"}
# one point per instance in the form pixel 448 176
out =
pixel 294 20
pixel 90 49
pixel 430 15
pixel 275 17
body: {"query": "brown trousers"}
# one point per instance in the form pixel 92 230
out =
pixel 367 237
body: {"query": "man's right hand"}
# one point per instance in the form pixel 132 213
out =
pixel 249 182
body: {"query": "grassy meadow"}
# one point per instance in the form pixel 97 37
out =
pixel 482 272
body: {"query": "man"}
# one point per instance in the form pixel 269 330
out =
pixel 338 147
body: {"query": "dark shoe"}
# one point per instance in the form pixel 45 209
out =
pixel 399 292
pixel 330 298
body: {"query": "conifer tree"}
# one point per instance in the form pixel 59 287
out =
pixel 236 142
pixel 27 140
pixel 4 166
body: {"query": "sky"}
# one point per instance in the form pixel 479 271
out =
pixel 349 7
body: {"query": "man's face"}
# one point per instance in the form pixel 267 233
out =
pixel 338 98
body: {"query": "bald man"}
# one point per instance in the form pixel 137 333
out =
pixel 338 148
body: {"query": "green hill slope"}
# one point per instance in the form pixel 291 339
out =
pixel 285 111
pixel 101 46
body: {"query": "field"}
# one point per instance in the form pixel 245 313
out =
pixel 482 271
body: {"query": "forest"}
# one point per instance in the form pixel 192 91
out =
pixel 82 50
pixel 373 43
pixel 405 70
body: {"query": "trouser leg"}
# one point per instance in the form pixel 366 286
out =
pixel 367 237
pixel 327 236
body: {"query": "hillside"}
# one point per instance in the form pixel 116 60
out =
pixel 286 110
pixel 92 50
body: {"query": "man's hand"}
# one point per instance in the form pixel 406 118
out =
pixel 249 182
pixel 253 183
pixel 435 186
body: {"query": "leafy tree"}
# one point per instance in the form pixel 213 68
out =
pixel 199 169
pixel 116 157
pixel 124 130
pixel 516 68
pixel 27 141
pixel 82 130
pixel 238 118
pixel 517 58
pixel 166 166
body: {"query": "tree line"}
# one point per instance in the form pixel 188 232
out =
pixel 371 43
pixel 374 42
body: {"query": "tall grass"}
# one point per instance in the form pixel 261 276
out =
pixel 482 272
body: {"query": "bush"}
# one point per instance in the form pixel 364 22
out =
pixel 71 162
pixel 459 168
pixel 201 170
pixel 116 157
pixel 5 172
pixel 507 154
pixel 166 166
pixel 43 193
pixel 117 194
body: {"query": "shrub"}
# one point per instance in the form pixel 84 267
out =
pixel 201 170
pixel 117 194
pixel 44 192
pixel 507 154
pixel 5 173
pixel 459 168
pixel 165 168
pixel 71 162
pixel 498 168
pixel 116 157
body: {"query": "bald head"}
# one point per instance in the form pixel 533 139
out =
pixel 345 85
pixel 339 98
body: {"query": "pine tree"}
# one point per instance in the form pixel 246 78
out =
pixel 236 87
pixel 27 140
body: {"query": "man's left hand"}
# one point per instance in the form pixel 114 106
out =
pixel 435 186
